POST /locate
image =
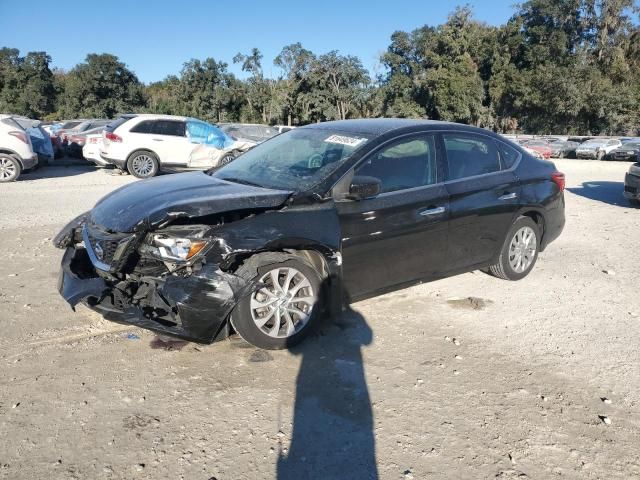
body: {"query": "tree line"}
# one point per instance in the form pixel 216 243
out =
pixel 561 66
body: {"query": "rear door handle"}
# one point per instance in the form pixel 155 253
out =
pixel 429 212
pixel 508 196
pixel 157 140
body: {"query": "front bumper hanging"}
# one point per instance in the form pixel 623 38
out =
pixel 194 307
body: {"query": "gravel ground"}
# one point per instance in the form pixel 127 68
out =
pixel 468 377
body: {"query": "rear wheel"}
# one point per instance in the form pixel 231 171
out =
pixel 519 252
pixel 10 168
pixel 283 311
pixel 143 164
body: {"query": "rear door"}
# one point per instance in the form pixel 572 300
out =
pixel 484 195
pixel 169 141
pixel 399 236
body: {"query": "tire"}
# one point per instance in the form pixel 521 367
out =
pixel 10 168
pixel 227 158
pixel 277 332
pixel 508 267
pixel 143 164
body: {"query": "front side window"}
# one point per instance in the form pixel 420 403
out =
pixel 204 133
pixel 407 163
pixel 469 155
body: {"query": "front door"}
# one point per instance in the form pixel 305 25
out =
pixel 399 236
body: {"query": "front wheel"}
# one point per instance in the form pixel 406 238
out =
pixel 519 252
pixel 10 168
pixel 143 164
pixel 227 158
pixel 284 308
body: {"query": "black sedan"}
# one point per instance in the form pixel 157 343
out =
pixel 632 185
pixel 327 213
pixel 629 151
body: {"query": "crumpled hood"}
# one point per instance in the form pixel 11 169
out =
pixel 194 194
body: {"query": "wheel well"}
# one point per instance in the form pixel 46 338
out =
pixel 538 218
pixel 314 258
pixel 140 150
pixel 13 154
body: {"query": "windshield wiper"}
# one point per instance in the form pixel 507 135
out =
pixel 241 181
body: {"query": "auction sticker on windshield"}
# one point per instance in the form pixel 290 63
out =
pixel 343 140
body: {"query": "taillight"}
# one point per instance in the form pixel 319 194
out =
pixel 112 136
pixel 558 179
pixel 20 136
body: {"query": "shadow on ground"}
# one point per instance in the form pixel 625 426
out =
pixel 333 434
pixel 56 171
pixel 605 192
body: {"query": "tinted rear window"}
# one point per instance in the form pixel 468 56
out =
pixel 169 127
pixel 508 155
pixel 116 123
pixel 143 127
pixel 469 155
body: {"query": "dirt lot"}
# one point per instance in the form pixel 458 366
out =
pixel 469 377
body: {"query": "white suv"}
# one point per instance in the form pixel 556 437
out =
pixel 144 145
pixel 16 151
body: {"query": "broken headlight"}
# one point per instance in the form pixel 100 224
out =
pixel 67 236
pixel 175 244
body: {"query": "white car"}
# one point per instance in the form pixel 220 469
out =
pixel 597 148
pixel 146 144
pixel 91 149
pixel 16 151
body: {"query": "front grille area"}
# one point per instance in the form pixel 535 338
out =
pixel 108 251
pixel 630 189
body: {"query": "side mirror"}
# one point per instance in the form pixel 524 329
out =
pixel 364 187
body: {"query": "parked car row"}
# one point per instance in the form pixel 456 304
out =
pixel 598 148
pixel 16 149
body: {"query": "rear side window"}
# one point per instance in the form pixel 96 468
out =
pixel 508 155
pixel 469 155
pixel 143 127
pixel 169 127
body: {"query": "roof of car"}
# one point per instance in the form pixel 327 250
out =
pixel 379 126
pixel 154 116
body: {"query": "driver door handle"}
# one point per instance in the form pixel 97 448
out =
pixel 157 139
pixel 508 196
pixel 429 212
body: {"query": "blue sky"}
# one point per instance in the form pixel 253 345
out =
pixel 154 38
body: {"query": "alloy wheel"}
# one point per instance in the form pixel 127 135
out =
pixel 282 307
pixel 8 169
pixel 142 165
pixel 522 249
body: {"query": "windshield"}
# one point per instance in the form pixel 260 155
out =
pixel 296 160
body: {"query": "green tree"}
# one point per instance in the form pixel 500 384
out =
pixel 295 63
pixel 101 87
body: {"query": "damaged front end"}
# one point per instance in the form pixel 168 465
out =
pixel 168 281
